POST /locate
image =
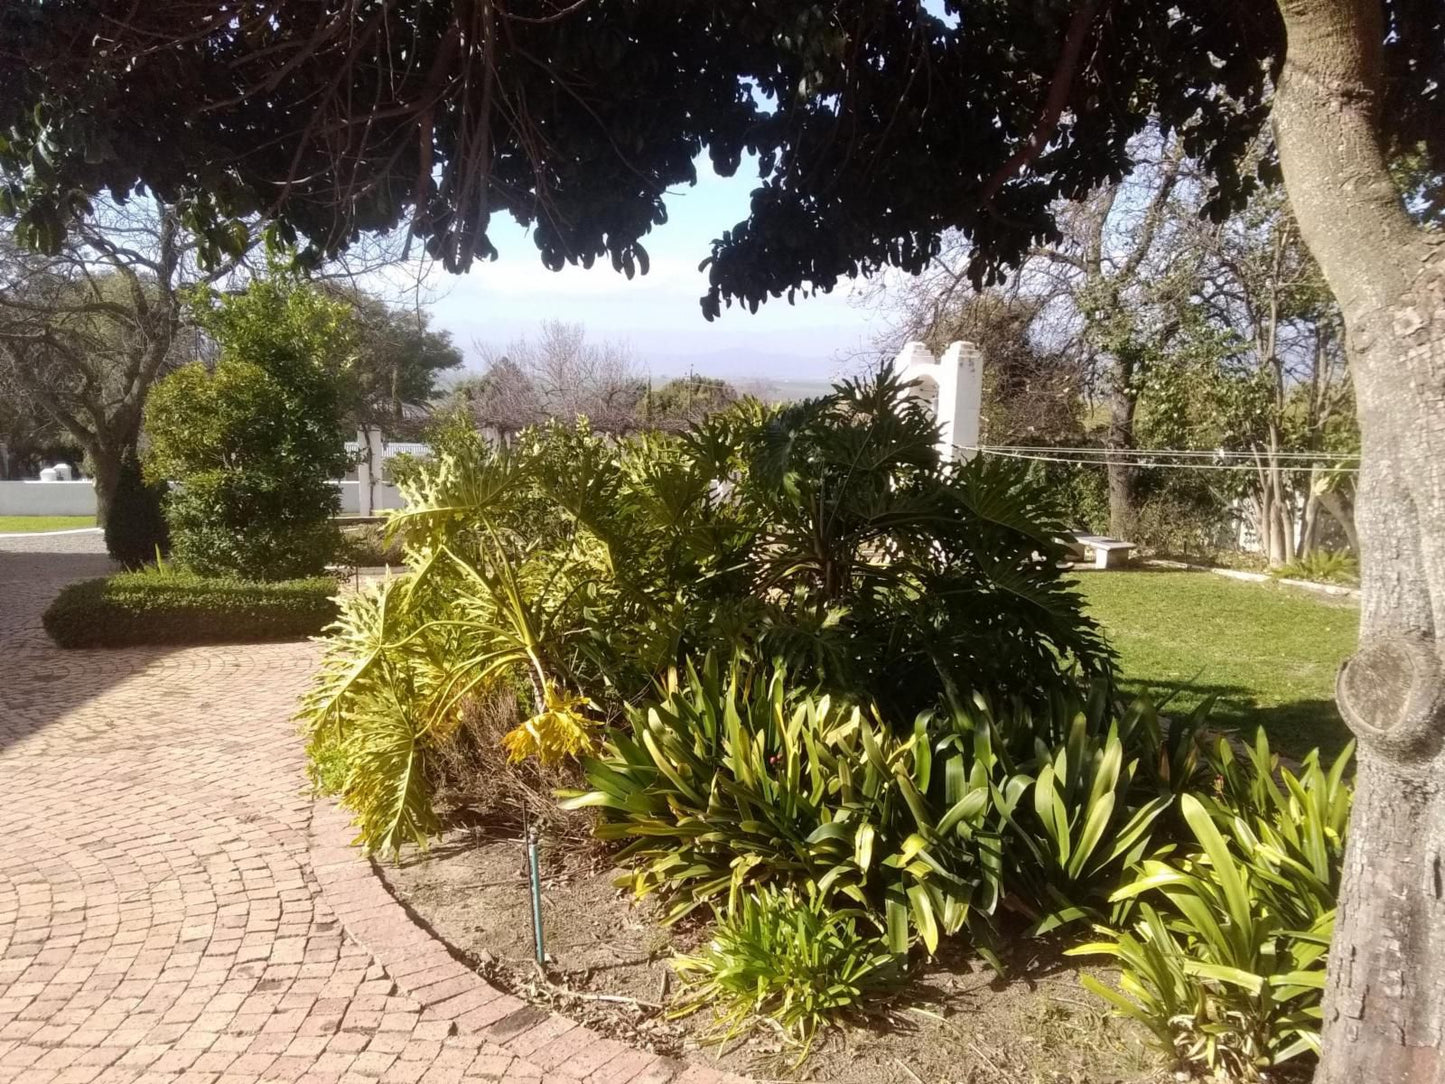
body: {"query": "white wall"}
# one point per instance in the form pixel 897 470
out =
pixel 384 495
pixel 76 498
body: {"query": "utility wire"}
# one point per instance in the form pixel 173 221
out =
pixel 1220 453
pixel 1011 454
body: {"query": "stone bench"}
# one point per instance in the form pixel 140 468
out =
pixel 1108 552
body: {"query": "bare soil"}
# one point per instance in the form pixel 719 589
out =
pixel 958 1023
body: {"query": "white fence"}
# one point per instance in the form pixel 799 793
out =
pixel 371 492
pixel 365 494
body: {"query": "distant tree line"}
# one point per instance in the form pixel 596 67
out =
pixel 1145 325
pixel 560 374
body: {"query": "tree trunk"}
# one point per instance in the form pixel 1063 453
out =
pixel 1285 508
pixel 1385 999
pixel 1265 524
pixel 1343 513
pixel 105 464
pixel 1310 531
pixel 1123 504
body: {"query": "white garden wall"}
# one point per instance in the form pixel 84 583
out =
pixel 383 495
pixel 76 498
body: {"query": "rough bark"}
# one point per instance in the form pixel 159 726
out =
pixel 1123 502
pixel 1310 529
pixel 1385 1001
pixel 106 470
pixel 1343 513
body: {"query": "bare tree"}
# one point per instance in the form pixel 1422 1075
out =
pixel 558 374
pixel 86 332
pixel 1092 296
pixel 502 401
pixel 1253 285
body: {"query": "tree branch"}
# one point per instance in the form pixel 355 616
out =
pixel 1060 87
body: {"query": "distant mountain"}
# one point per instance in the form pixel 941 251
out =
pixel 784 391
pixel 774 376
pixel 739 363
pixel 790 374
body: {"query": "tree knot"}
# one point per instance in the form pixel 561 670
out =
pixel 1391 693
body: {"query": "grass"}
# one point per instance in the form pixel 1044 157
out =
pixel 17 524
pixel 1268 652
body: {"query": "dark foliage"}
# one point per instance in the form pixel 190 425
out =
pixel 165 606
pixel 581 571
pixel 876 125
pixel 897 575
pixel 136 533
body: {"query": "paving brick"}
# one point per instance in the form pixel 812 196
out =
pixel 174 906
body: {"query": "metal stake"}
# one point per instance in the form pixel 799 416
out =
pixel 535 869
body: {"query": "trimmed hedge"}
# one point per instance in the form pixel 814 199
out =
pixel 168 606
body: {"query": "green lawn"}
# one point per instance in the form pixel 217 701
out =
pixel 13 524
pixel 1269 653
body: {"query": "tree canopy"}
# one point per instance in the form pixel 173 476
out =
pixel 85 331
pixel 397 360
pixel 874 125
pixel 255 440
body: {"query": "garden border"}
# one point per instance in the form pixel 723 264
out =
pixel 424 968
pixel 1257 577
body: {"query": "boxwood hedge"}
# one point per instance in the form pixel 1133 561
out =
pixel 168 606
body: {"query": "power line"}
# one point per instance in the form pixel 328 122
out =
pixel 1216 453
pixel 1009 453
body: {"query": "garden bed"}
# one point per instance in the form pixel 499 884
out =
pixel 958 1022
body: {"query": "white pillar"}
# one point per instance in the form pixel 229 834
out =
pixel 963 365
pixel 368 469
pixel 958 379
pixel 914 360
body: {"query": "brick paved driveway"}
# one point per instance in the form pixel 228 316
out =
pixel 160 918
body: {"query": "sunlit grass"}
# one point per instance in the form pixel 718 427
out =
pixel 17 524
pixel 1268 652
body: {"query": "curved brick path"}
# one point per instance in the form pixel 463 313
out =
pixel 161 917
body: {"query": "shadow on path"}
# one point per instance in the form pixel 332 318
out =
pixel 39 682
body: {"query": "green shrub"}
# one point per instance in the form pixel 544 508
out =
pixel 798 961
pixel 1323 566
pixel 135 530
pixel 166 606
pixel 367 545
pixel 1081 493
pixel 830 536
pixel 1226 965
pixel 731 781
pixel 365 742
pixel 254 444
pixel 243 524
pixel 894 576
pixel 1295 823
pixel 1070 827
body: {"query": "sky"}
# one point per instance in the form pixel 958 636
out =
pixel 657 315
